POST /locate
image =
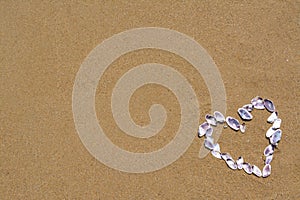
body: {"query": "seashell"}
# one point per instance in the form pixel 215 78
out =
pixel 266 170
pixel 226 156
pixel 269 150
pixel 209 143
pixel 216 151
pixel 209 132
pixel 211 120
pixel 269 105
pixel 219 117
pixel 272 117
pixel 244 114
pixel 239 162
pixel 216 154
pixel 233 123
pixel 247 168
pixel 275 138
pixel 248 107
pixel 258 103
pixel 270 132
pixel 231 164
pixel 256 171
pixel 268 159
pixel 276 124
pixel 217 148
pixel 243 127
pixel 203 129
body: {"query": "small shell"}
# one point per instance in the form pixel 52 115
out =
pixel 258 103
pixel 276 137
pixel 270 132
pixel 233 123
pixel 243 127
pixel 256 171
pixel 272 117
pixel 269 159
pixel 231 164
pixel 248 107
pixel 266 171
pixel 216 154
pixel 203 129
pixel 211 120
pixel 209 143
pixel 240 162
pixel 244 114
pixel 217 147
pixel 269 105
pixel 247 168
pixel 219 117
pixel 226 156
pixel 269 150
pixel 276 124
pixel 209 132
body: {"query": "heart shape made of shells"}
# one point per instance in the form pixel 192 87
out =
pixel 273 134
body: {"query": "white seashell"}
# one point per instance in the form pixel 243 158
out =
pixel 243 127
pixel 266 171
pixel 276 124
pixel 211 120
pixel 231 164
pixel 203 129
pixel 258 103
pixel 248 107
pixel 269 105
pixel 272 117
pixel 226 156
pixel 247 168
pixel 209 143
pixel 233 123
pixel 240 162
pixel 269 150
pixel 216 154
pixel 219 117
pixel 217 147
pixel 270 132
pixel 256 171
pixel 276 137
pixel 209 132
pixel 269 159
pixel 244 114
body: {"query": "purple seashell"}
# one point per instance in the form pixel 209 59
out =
pixel 233 123
pixel 269 150
pixel 239 162
pixel 203 129
pixel 266 171
pixel 258 103
pixel 247 168
pixel 219 117
pixel 248 107
pixel 211 120
pixel 231 164
pixel 244 114
pixel 269 105
pixel 276 137
pixel 269 159
pixel 256 171
pixel 272 117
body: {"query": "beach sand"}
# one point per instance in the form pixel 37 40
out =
pixel 254 45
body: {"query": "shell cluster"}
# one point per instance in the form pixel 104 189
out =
pixel 273 134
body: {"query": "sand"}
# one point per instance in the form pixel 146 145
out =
pixel 254 45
